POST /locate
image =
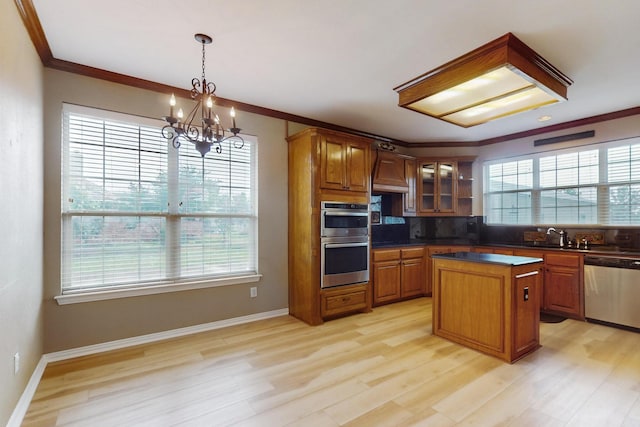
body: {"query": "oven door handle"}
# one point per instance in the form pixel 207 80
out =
pixel 345 245
pixel 346 214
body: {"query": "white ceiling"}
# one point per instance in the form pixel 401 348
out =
pixel 338 61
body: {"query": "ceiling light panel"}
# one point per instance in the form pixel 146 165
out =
pixel 498 79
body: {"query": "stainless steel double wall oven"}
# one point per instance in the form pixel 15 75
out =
pixel 344 241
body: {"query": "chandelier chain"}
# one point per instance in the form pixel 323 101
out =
pixel 203 50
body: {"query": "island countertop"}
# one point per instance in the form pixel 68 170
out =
pixel 488 258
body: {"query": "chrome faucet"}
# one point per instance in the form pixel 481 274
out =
pixel 561 233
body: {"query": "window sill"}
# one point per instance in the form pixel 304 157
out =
pixel 80 297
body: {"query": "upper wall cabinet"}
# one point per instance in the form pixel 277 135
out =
pixel 344 163
pixel 444 186
pixel 437 186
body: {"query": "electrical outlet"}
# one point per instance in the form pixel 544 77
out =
pixel 16 363
pixel 253 291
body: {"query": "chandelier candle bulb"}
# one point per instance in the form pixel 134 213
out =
pixel 209 106
pixel 233 116
pixel 172 103
pixel 180 113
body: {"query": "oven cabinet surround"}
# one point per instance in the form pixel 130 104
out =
pixel 563 291
pixel 323 165
pixel 398 273
pixel 488 302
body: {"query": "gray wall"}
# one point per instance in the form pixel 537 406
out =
pixel 74 325
pixel 21 190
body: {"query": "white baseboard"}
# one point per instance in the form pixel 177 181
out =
pixel 27 395
pixel 23 404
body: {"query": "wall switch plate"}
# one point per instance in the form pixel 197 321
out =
pixel 253 291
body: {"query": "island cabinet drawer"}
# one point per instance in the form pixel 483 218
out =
pixel 386 255
pixel 412 253
pixel 563 260
pixel 336 302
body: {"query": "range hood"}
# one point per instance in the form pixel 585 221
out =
pixel 389 173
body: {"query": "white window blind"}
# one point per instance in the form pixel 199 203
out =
pixel 598 185
pixel 569 188
pixel 137 212
pixel 623 178
pixel 510 185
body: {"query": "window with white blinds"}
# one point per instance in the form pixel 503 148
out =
pixel 595 185
pixel 510 186
pixel 137 212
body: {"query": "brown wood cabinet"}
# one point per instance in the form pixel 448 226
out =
pixel 337 301
pixel 533 253
pixel 465 187
pixel 385 275
pixel 344 163
pixel 437 186
pixel 432 250
pixel 323 166
pixel 491 308
pixel 409 202
pixel 444 186
pixel 563 292
pixel 398 273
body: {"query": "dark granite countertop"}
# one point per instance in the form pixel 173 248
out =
pixel 489 258
pixel 594 250
pixel 422 242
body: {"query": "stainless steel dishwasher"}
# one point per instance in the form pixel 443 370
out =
pixel 612 290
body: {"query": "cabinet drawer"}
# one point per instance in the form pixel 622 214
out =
pixel 565 260
pixel 412 253
pixel 335 303
pixel 386 255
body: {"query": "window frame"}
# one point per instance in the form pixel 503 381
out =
pixel 69 295
pixel 601 188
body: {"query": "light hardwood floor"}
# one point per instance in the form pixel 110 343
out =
pixel 377 369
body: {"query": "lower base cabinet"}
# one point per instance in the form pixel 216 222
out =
pixel 344 299
pixel 398 273
pixel 563 291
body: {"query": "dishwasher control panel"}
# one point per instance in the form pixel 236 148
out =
pixel 615 262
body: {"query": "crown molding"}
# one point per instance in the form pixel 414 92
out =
pixel 36 33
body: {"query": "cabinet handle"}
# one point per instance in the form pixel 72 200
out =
pixel 345 299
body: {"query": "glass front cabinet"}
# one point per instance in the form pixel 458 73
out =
pixel 437 187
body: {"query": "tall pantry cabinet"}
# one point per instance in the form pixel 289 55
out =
pixel 324 165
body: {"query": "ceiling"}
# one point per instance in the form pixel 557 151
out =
pixel 337 61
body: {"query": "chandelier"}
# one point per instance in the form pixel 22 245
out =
pixel 209 132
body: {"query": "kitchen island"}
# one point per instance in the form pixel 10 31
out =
pixel 488 302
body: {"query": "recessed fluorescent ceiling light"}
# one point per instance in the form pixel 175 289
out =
pixel 496 80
